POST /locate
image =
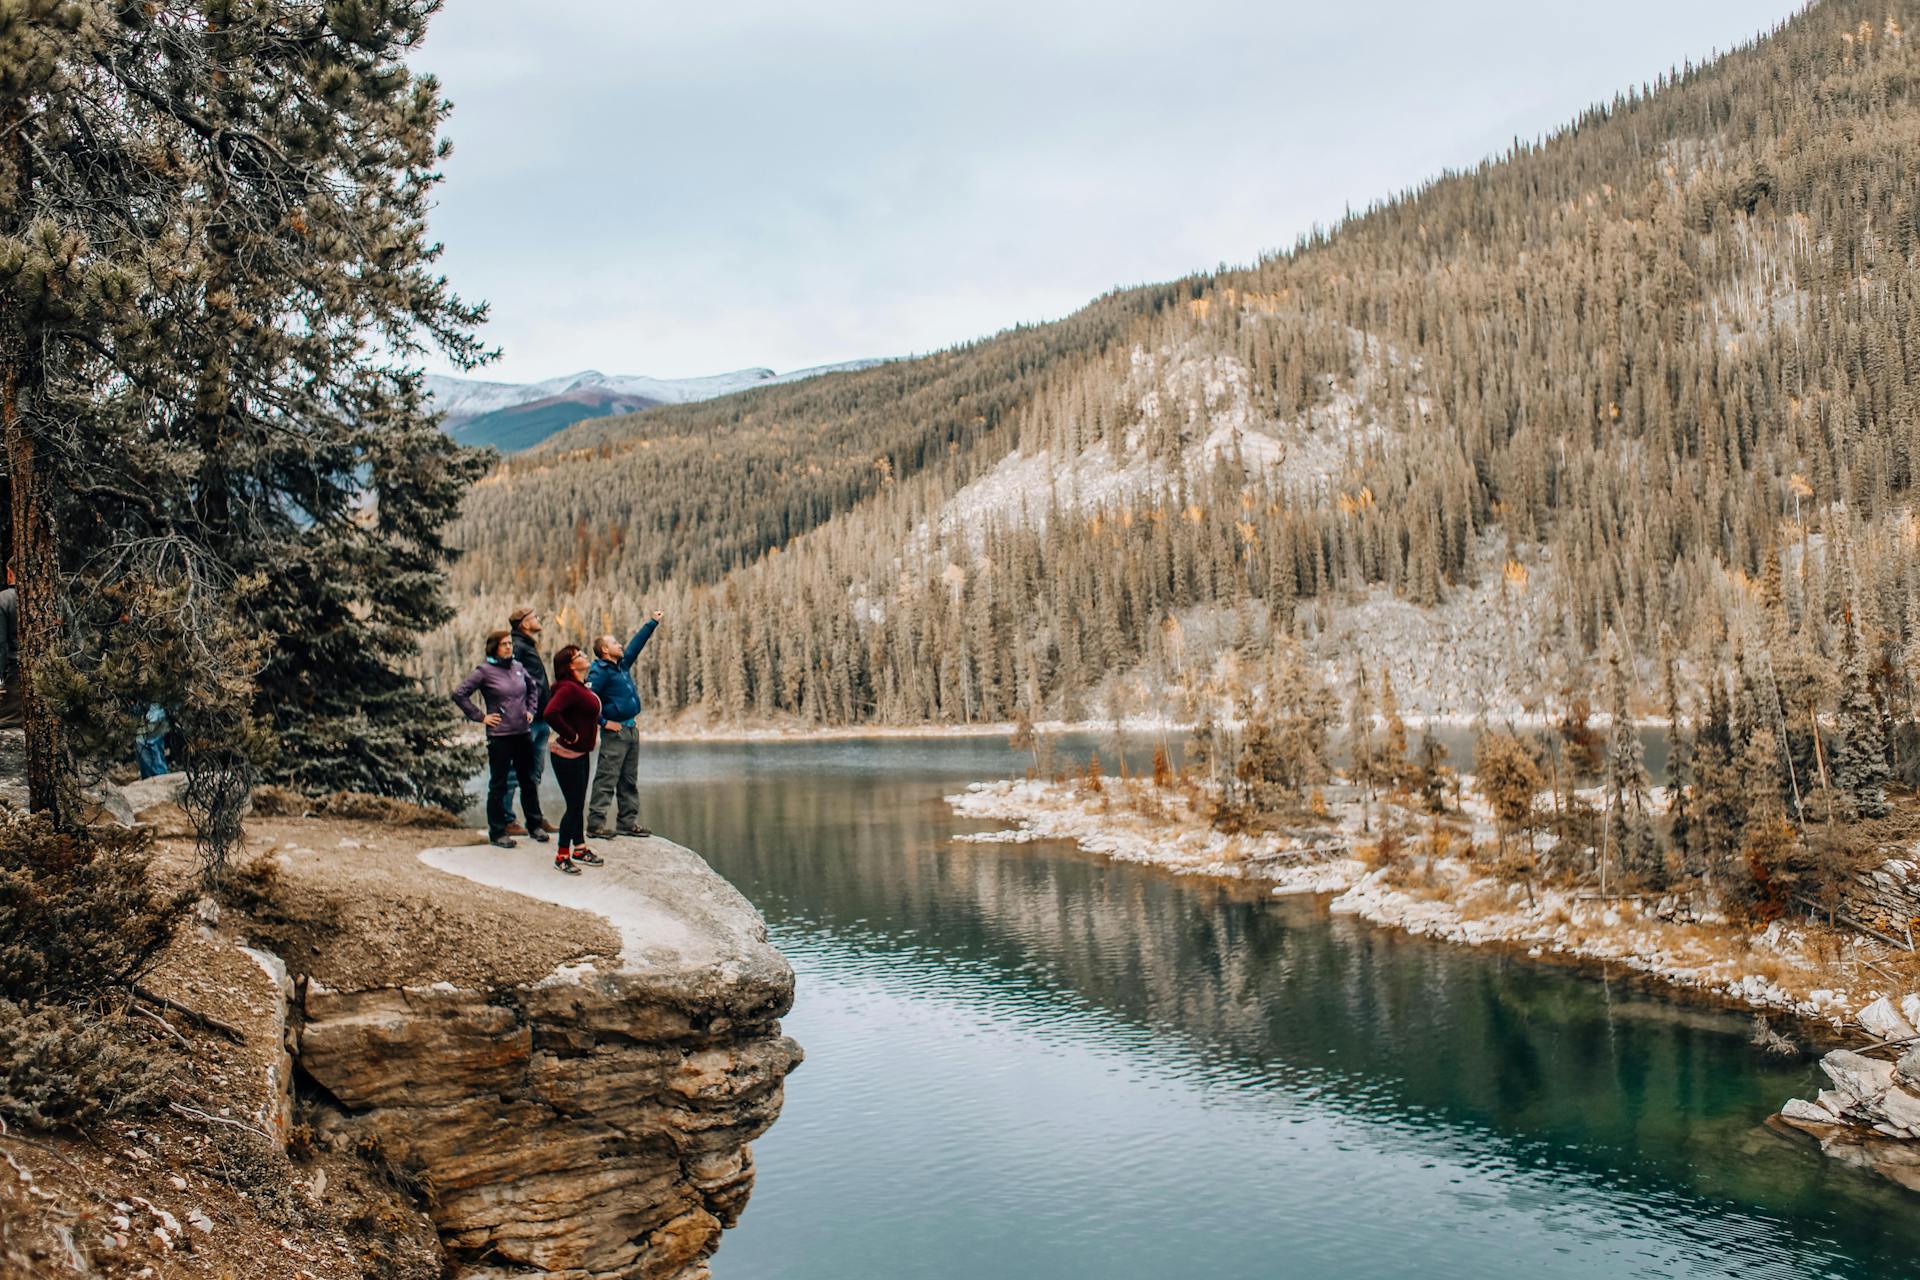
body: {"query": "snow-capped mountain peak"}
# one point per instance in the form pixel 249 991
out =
pixel 519 415
pixel 462 399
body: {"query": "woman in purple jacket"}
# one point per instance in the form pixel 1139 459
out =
pixel 511 700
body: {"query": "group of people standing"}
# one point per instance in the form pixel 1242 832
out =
pixel 590 707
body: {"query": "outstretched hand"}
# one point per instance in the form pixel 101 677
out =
pixel 657 615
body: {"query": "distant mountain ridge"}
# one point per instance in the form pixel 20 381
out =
pixel 511 416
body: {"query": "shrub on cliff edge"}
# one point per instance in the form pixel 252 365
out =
pixel 61 1065
pixel 79 912
pixel 80 918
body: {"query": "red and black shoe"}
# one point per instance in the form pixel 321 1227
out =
pixel 588 856
pixel 564 863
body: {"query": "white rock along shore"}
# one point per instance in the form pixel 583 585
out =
pixel 1446 897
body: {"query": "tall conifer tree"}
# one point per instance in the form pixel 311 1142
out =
pixel 232 418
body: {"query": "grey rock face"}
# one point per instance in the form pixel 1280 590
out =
pixel 1869 1119
pixel 106 803
pixel 148 793
pixel 1811 1112
pixel 1909 1066
pixel 1860 1078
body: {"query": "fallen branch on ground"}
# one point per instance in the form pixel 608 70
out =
pixel 1901 1043
pixel 197 1114
pixel 158 1021
pixel 197 1018
pixel 1856 925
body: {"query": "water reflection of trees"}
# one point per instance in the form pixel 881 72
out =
pixel 1599 1079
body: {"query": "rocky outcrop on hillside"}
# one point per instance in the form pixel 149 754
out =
pixel 591 1125
pixel 1887 897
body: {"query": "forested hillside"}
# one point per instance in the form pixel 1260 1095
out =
pixel 1644 388
pixel 689 492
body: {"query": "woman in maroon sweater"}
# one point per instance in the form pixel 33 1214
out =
pixel 573 713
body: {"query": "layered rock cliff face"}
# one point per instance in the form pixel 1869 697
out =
pixel 594 1124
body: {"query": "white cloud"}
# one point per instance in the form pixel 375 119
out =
pixel 681 189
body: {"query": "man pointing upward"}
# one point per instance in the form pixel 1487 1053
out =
pixel 611 676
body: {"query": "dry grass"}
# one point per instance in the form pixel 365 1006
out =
pixel 1481 903
pixel 352 806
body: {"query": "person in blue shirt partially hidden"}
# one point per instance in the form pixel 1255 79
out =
pixel 618 770
pixel 150 745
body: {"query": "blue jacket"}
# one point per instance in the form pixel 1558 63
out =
pixel 613 681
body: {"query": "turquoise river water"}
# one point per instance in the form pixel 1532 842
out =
pixel 1029 1062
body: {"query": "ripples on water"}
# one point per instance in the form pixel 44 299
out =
pixel 1026 1062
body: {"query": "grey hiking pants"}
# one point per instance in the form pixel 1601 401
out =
pixel 619 766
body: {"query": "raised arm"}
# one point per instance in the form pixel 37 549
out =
pixel 639 642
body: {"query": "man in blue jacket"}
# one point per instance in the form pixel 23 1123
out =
pixel 611 676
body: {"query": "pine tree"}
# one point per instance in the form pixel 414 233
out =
pixel 235 412
pixel 1627 780
pixel 1393 746
pixel 1679 767
pixel 1509 777
pixel 1860 757
pixel 1719 814
pixel 1362 753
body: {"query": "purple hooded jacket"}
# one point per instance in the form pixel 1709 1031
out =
pixel 505 688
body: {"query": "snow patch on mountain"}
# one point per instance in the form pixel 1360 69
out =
pixel 1206 398
pixel 1492 639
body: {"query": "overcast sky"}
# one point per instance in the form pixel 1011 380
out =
pixel 682 189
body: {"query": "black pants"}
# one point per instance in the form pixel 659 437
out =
pixel 571 774
pixel 511 752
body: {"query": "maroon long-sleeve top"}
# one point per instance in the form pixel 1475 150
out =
pixel 573 713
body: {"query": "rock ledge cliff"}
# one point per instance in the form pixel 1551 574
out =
pixel 593 1124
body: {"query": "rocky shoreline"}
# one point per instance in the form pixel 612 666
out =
pixel 1442 895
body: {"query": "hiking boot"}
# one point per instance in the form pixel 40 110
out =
pixel 515 829
pixel 640 832
pixel 549 828
pixel 504 842
pixel 600 833
pixel 540 833
pixel 589 857
pixel 566 865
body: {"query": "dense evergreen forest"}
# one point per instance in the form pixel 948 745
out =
pixel 1648 383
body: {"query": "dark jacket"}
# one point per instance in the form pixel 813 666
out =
pixel 574 713
pixel 527 654
pixel 613 681
pixel 504 687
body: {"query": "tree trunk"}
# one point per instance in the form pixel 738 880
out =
pixel 37 570
pixel 1820 758
pixel 36 562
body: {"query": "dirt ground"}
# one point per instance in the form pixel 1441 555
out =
pixel 351 906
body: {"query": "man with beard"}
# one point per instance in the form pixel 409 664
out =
pixel 525 623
